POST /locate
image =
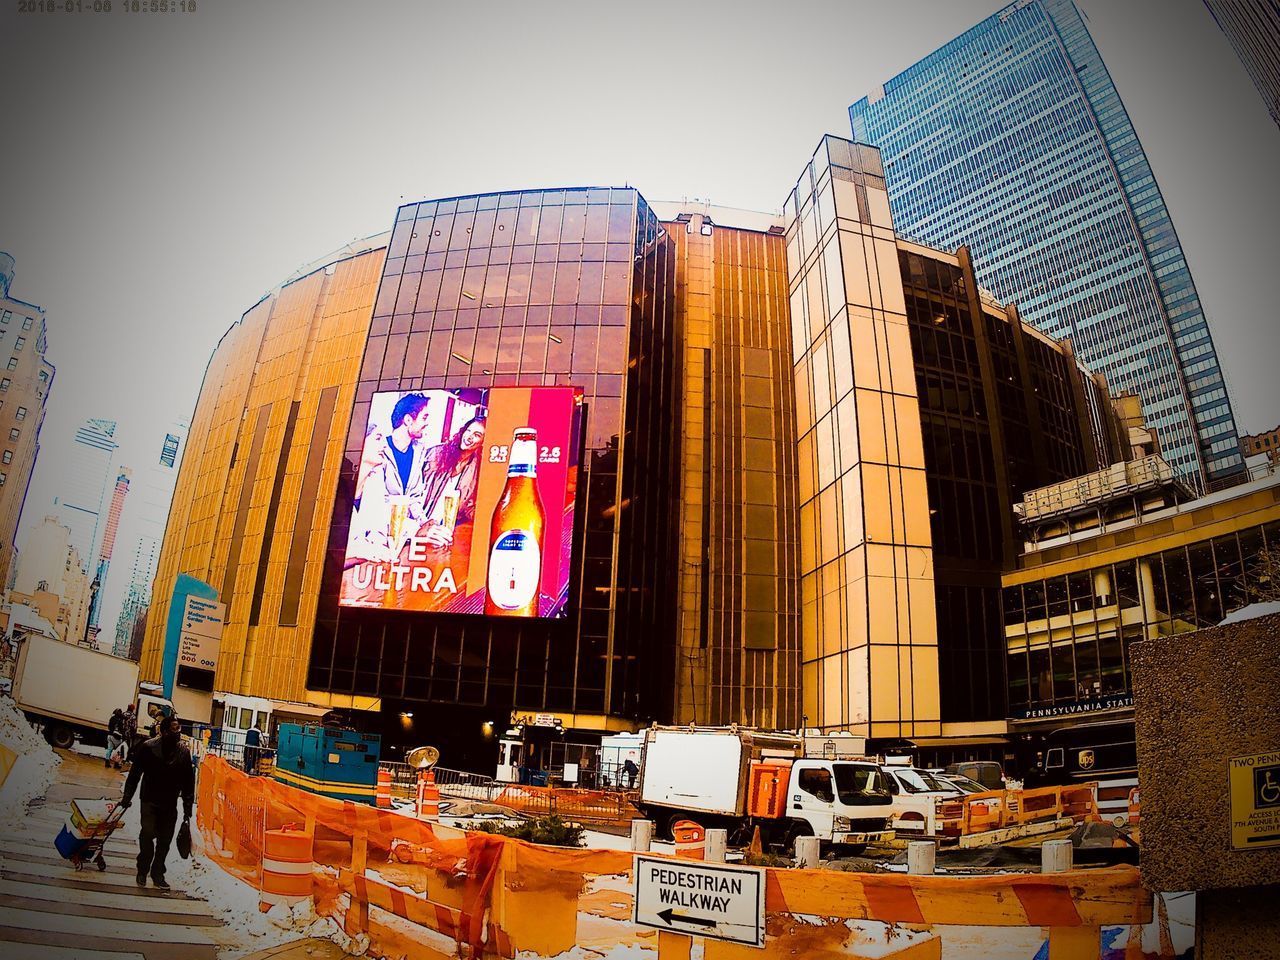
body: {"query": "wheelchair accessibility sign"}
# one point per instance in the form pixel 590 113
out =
pixel 1255 801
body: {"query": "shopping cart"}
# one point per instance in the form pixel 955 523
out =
pixel 85 833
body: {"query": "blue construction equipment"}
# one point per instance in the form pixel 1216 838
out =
pixel 327 760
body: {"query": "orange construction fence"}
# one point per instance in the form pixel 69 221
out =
pixel 575 802
pixel 423 891
pixel 996 809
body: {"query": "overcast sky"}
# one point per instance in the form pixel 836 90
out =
pixel 163 171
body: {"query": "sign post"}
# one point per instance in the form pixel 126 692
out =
pixel 700 899
pixel 1255 801
pixel 201 638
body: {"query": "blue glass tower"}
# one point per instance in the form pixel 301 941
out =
pixel 1013 140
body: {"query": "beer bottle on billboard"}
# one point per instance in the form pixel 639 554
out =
pixel 515 535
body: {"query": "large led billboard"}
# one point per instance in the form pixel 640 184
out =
pixel 464 502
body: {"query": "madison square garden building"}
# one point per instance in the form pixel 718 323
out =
pixel 564 458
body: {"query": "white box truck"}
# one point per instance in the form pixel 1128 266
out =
pixel 71 690
pixel 738 779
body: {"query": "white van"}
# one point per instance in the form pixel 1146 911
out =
pixel 916 794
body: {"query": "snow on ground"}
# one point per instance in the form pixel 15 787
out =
pixel 35 767
pixel 236 902
pixel 597 840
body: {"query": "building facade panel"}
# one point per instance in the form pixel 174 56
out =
pixel 24 391
pixel 539 288
pixel 738 660
pixel 299 348
pixel 868 618
pixel 1003 408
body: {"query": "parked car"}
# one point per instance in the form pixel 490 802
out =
pixel 915 795
pixel 987 772
pixel 967 784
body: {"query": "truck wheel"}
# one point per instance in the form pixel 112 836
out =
pixel 800 829
pixel 60 736
pixel 849 849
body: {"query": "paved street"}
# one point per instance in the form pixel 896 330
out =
pixel 51 912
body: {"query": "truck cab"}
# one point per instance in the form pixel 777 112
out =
pixel 844 801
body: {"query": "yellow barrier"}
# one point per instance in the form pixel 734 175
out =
pixel 410 886
pixel 994 809
pixel 8 759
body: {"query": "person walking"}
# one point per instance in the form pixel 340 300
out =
pixel 164 768
pixel 115 739
pixel 252 747
pixel 130 730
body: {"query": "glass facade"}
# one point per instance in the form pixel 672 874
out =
pixel 250 506
pixel 555 287
pixel 1012 139
pixel 1002 409
pixel 868 621
pixel 739 655
pixel 1253 30
pixel 1069 623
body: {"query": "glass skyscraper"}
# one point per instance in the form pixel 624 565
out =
pixel 1253 30
pixel 1012 139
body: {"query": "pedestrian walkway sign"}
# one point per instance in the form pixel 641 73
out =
pixel 701 899
pixel 1255 801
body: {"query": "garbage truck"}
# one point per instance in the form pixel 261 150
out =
pixel 71 690
pixel 740 779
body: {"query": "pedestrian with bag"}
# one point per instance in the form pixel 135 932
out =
pixel 163 767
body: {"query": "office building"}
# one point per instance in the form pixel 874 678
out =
pixel 1266 443
pixel 1118 556
pixel 82 500
pixel 1252 27
pixel 1012 140
pixel 50 564
pixel 792 505
pixel 141 534
pixel 24 391
pixel 924 407
pixel 107 548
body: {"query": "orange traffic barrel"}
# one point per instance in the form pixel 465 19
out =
pixel 1135 807
pixel 384 789
pixel 691 840
pixel 286 867
pixel 428 796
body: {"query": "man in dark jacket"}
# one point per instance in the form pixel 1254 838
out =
pixel 164 766
pixel 115 737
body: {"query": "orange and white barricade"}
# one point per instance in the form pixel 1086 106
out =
pixel 287 864
pixel 428 796
pixel 384 789
pixel 691 840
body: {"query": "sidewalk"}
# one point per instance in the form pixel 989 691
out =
pixel 51 912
